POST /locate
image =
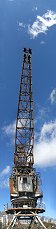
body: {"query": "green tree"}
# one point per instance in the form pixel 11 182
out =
pixel 0 225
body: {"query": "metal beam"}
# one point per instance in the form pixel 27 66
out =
pixel 40 221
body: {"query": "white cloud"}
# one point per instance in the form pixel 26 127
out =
pixel 10 129
pixel 53 96
pixel 42 23
pixel 48 131
pixel 4 180
pixel 21 24
pixel 5 171
pixel 45 148
pixel 42 112
pixel 42 42
pixel 45 153
pixel 4 183
pixel 34 8
pixel 10 0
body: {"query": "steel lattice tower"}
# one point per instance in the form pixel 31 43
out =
pixel 25 193
pixel 24 122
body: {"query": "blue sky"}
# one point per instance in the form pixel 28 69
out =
pixel 29 24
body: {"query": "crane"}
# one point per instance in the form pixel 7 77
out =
pixel 25 194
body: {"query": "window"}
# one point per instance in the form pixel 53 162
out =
pixel 24 180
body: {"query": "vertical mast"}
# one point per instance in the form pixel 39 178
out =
pixel 25 124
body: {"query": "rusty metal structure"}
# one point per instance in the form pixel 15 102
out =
pixel 25 193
